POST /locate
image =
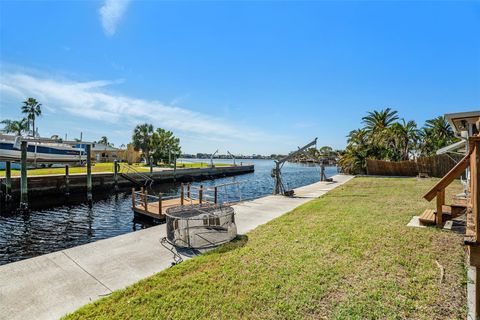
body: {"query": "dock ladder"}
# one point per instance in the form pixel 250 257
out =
pixel 135 176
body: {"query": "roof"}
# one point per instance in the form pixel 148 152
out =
pixel 103 147
pixel 455 119
pixel 454 147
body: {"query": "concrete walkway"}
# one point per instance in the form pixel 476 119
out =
pixel 49 286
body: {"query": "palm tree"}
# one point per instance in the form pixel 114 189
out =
pixel 142 139
pixel 376 121
pixel 436 134
pixel 104 140
pixel 13 126
pixel 32 109
pixel 404 137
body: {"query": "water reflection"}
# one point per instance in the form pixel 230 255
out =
pixel 54 225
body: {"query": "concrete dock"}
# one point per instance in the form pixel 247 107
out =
pixel 54 184
pixel 49 286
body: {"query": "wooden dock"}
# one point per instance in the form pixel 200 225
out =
pixel 155 207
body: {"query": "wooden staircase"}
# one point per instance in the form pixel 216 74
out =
pixel 449 212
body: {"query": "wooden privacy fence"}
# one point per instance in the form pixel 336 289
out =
pixel 436 166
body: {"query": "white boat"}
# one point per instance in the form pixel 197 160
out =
pixel 38 151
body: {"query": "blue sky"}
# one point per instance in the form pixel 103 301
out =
pixel 248 77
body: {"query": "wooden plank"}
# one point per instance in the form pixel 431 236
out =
pixel 474 256
pixel 428 217
pixel 475 193
pixel 440 203
pixel 449 177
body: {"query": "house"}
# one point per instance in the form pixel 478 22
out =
pixel 107 153
pixel 466 125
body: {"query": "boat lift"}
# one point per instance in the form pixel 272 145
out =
pixel 276 172
pixel 22 143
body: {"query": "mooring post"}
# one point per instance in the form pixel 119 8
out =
pixel 67 180
pixel 182 194
pixel 200 194
pixel 115 174
pixel 151 165
pixel 215 194
pixel 8 180
pixel 160 203
pixel 322 171
pixel 133 198
pixel 89 174
pixel 23 177
pixel 145 200
pixel 188 190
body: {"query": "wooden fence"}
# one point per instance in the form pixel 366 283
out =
pixel 436 166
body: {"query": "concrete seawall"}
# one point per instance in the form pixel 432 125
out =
pixel 39 186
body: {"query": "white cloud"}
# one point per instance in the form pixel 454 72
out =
pixel 111 13
pixel 92 100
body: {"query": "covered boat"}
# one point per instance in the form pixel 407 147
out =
pixel 40 150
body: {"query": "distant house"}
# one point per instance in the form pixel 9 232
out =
pixel 106 153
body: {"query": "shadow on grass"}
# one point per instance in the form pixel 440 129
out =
pixel 236 243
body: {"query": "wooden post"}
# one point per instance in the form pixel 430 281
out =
pixel 145 200
pixel 89 174
pixel 115 174
pixel 151 165
pixel 23 177
pixel 182 194
pixel 160 203
pixel 440 203
pixel 8 180
pixel 67 180
pixel 133 198
pixel 475 193
pixel 215 194
pixel 200 194
pixel 188 190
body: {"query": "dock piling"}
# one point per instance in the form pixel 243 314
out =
pixel 182 194
pixel 89 175
pixel 145 200
pixel 160 203
pixel 133 198
pixel 188 190
pixel 215 195
pixel 8 181
pixel 115 174
pixel 200 194
pixel 67 181
pixel 23 177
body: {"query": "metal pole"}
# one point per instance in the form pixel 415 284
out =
pixel 23 177
pixel 67 180
pixel 277 178
pixel 8 180
pixel 89 174
pixel 151 165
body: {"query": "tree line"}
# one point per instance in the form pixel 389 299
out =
pixel 386 136
pixel 157 145
pixel 32 110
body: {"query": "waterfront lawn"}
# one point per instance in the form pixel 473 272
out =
pixel 101 167
pixel 346 255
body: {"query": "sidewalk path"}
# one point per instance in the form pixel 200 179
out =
pixel 51 285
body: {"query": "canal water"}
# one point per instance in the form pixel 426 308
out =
pixel 41 231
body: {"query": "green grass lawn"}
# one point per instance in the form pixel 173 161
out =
pixel 102 167
pixel 346 255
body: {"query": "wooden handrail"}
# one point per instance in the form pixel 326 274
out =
pixel 449 177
